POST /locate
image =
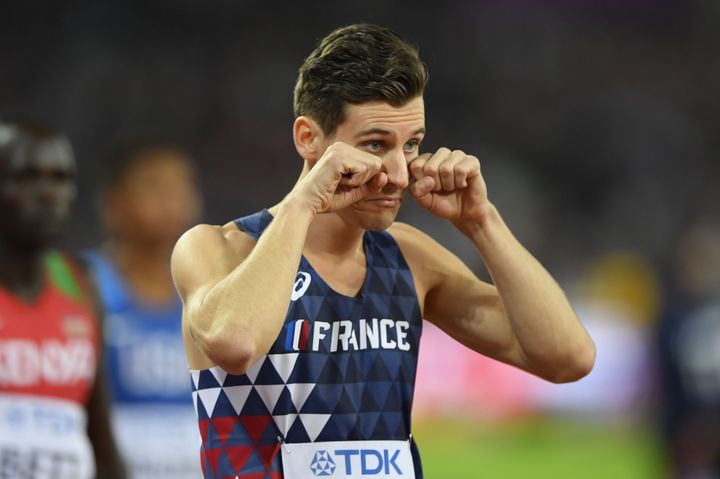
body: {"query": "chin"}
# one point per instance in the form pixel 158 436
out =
pixel 377 222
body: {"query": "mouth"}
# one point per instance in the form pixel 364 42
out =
pixel 385 201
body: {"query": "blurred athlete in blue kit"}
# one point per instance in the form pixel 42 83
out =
pixel 150 198
pixel 302 321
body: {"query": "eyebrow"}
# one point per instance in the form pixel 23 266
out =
pixel 383 131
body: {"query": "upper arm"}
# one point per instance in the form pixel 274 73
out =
pixel 454 299
pixel 203 257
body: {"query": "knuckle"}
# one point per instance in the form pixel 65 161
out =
pixel 446 171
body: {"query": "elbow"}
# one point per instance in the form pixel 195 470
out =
pixel 235 360
pixel 575 365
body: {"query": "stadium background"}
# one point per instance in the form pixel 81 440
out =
pixel 596 123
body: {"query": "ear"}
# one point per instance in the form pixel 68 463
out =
pixel 308 138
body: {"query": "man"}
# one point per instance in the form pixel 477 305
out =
pixel 53 407
pixel 149 199
pixel 689 357
pixel 302 322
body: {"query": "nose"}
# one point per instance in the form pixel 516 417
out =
pixel 52 190
pixel 395 166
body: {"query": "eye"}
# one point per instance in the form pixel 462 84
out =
pixel 374 146
pixel 411 146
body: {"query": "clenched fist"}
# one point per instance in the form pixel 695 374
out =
pixel 449 184
pixel 341 177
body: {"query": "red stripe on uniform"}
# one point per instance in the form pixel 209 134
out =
pixel 304 336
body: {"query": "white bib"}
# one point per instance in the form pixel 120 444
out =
pixel 348 459
pixel 42 438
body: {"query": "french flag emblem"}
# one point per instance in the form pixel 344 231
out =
pixel 297 335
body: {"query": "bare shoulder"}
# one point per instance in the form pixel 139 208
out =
pixel 412 241
pixel 207 252
pixel 430 261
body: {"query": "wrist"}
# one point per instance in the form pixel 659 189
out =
pixel 297 208
pixel 485 227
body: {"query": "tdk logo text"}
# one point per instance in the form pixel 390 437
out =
pixel 366 462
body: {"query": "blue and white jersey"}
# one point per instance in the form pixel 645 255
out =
pixel 153 417
pixel 342 369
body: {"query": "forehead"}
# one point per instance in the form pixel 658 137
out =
pixel 158 161
pixel 53 153
pixel 402 120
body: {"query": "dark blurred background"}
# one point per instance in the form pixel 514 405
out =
pixel 597 122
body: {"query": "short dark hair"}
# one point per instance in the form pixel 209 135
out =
pixel 15 131
pixel 134 152
pixel 356 64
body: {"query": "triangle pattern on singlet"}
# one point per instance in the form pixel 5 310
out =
pixel 219 374
pixel 343 423
pixel 237 395
pixel 380 391
pixel 284 422
pixel 254 369
pixel 345 405
pixel 268 375
pixel 224 426
pixel 283 364
pixel 313 424
pixel 323 398
pixel 254 405
pixel 238 456
pixel 207 380
pixel 284 403
pixel 253 464
pixel 270 393
pixel 299 393
pixel 354 393
pixel 393 402
pixel 353 374
pixel 331 373
pixel 195 401
pixel 267 454
pixel 208 397
pixel 309 370
pixel 402 289
pixel 236 380
pixel 378 371
pixel 367 402
pixel 255 425
pixel 223 406
pixel 392 362
pixel 367 423
pixel 194 379
pixel 239 436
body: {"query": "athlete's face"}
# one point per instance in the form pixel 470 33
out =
pixel 393 134
pixel 155 201
pixel 37 186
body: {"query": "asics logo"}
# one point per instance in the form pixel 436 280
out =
pixel 302 283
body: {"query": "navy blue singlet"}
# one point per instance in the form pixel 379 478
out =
pixel 342 369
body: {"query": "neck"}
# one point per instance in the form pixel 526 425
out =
pixel 330 235
pixel 22 271
pixel 146 267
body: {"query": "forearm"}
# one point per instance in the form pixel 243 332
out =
pixel 239 318
pixel 554 343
